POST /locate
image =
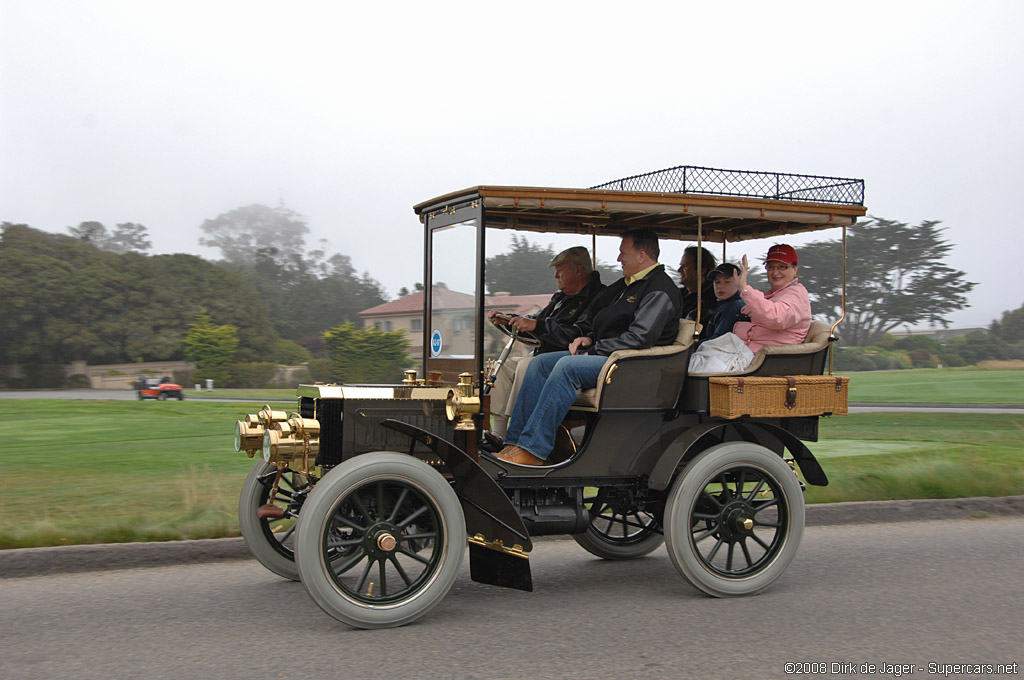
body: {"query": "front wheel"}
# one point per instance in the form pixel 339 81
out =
pixel 381 540
pixel 734 519
pixel 270 538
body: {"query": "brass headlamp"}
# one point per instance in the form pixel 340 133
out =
pixel 249 432
pixel 295 439
pixel 462 403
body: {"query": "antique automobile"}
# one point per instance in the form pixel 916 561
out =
pixel 157 388
pixel 371 494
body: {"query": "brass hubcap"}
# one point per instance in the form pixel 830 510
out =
pixel 386 542
pixel 748 524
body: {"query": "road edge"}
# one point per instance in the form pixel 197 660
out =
pixel 24 562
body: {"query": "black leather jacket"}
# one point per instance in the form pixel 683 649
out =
pixel 708 302
pixel 643 314
pixel 556 322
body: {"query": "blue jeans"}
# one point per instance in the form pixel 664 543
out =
pixel 548 390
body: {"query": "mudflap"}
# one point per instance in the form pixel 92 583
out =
pixel 498 539
pixel 499 567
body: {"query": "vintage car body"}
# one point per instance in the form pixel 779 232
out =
pixel 370 493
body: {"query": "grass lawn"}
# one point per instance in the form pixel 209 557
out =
pixel 888 456
pixel 106 471
pixel 82 471
pixel 939 386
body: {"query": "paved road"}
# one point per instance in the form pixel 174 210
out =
pixel 908 593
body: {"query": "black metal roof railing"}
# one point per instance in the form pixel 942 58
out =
pixel 690 179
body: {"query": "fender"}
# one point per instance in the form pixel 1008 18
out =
pixel 683 448
pixel 487 508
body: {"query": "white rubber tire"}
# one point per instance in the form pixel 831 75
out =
pixel 701 474
pixel 338 487
pixel 277 558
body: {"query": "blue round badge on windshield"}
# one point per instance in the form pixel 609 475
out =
pixel 435 343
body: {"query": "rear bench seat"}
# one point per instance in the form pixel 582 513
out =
pixel 641 379
pixel 807 358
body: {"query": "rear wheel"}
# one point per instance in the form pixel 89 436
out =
pixel 619 530
pixel 381 540
pixel 161 396
pixel 734 519
pixel 272 539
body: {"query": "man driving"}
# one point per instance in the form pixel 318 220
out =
pixel 578 284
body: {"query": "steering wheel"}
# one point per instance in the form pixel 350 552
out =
pixel 528 338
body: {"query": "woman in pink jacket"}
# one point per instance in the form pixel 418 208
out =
pixel 781 316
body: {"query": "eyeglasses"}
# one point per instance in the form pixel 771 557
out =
pixel 777 267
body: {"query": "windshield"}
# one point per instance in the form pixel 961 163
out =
pixel 452 322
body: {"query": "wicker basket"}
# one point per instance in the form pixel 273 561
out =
pixel 784 397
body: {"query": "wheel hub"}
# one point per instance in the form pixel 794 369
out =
pixel 382 539
pixel 737 520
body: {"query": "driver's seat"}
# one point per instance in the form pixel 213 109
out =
pixel 641 379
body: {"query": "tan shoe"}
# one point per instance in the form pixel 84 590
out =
pixel 520 456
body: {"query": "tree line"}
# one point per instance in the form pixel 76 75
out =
pixel 95 294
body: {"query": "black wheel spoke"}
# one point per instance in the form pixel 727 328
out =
pixel 711 498
pixel 287 534
pixel 366 572
pixel 740 482
pixel 414 537
pixel 759 541
pixel 760 485
pixel 728 556
pixel 746 553
pixel 383 578
pixel 422 509
pixel 361 509
pixel 345 521
pixel 710 532
pixel 347 564
pixel 398 505
pixel 398 568
pixel 714 551
pixel 418 558
pixel 759 506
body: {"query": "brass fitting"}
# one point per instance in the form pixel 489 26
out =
pixel 296 439
pixel 410 377
pixel 249 432
pixel 462 403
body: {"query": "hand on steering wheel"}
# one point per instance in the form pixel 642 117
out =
pixel 504 323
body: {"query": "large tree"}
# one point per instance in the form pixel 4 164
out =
pixel 895 276
pixel 305 290
pixel 127 237
pixel 275 234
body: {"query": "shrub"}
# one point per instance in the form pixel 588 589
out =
pixel 255 374
pixel 79 380
pixel 288 353
pixel 321 370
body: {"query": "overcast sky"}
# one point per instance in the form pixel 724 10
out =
pixel 171 113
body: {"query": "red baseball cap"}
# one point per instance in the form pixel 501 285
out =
pixel 782 253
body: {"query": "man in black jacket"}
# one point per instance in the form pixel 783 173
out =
pixel 638 311
pixel 554 326
pixel 693 279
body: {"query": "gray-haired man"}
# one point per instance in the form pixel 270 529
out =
pixel 578 283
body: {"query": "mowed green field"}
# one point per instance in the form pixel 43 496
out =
pixel 938 386
pixel 82 471
pixel 108 471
